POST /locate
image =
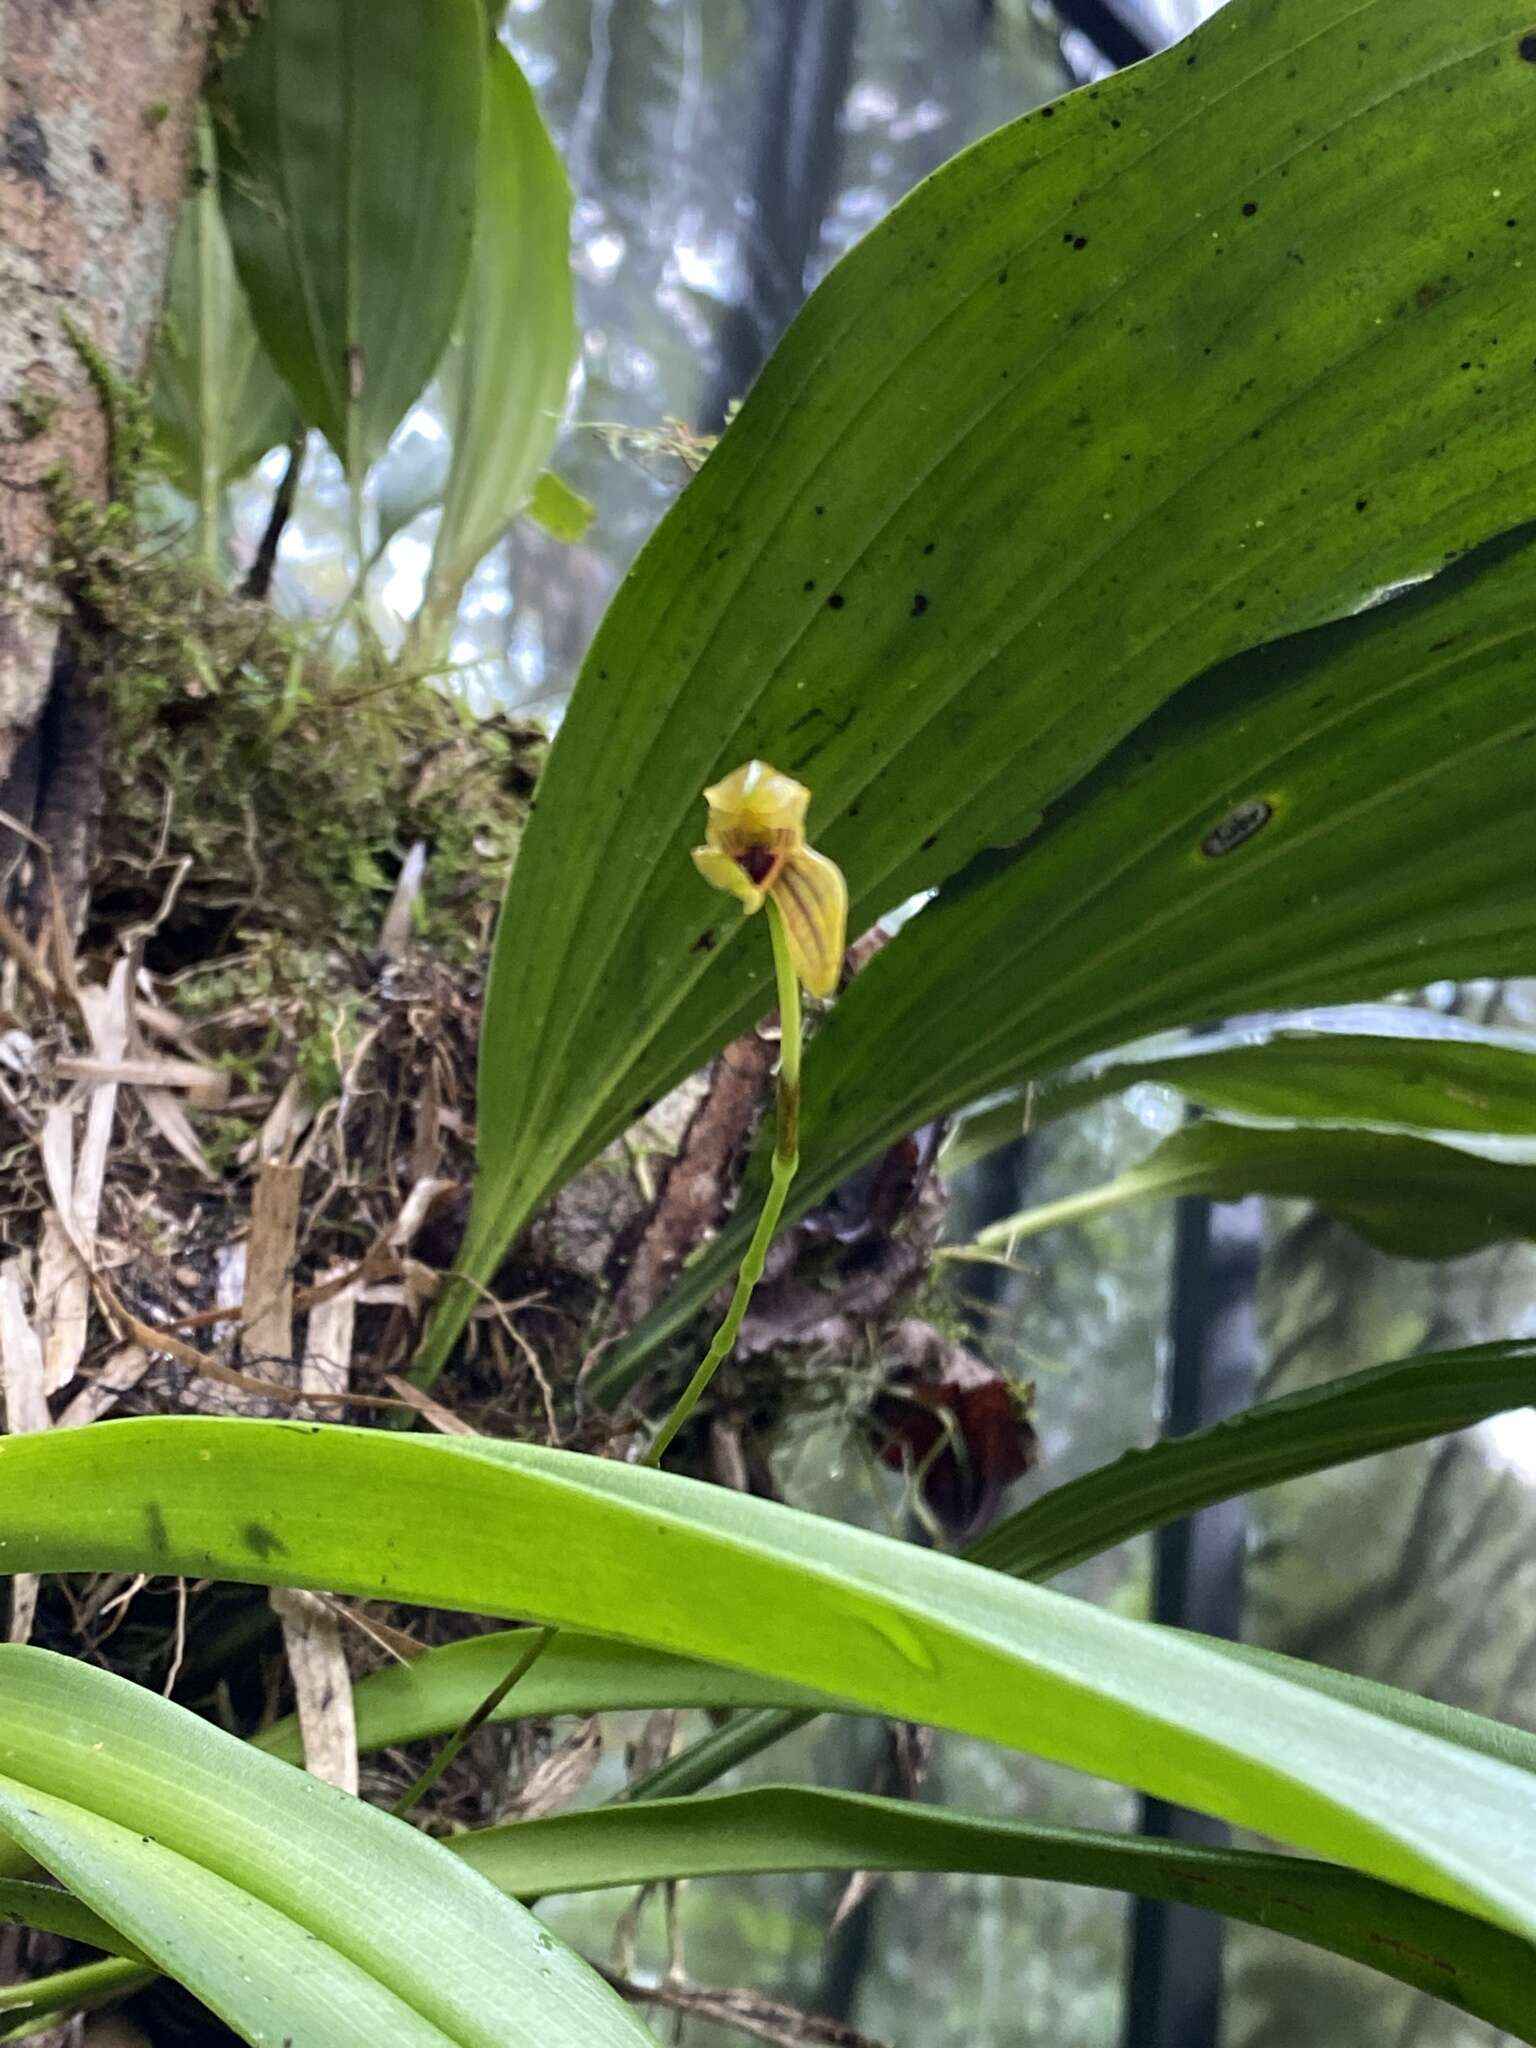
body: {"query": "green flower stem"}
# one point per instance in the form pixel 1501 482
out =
pixel 419 1788
pixel 786 1158
pixel 24 2007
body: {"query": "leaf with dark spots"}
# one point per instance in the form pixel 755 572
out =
pixel 154 1527
pixel 1128 912
pixel 889 391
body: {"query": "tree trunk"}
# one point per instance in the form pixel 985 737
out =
pixel 96 108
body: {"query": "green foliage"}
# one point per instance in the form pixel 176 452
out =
pixel 1114 396
pixel 1407 1195
pixel 277 1899
pixel 1023 552
pixel 350 136
pixel 1135 907
pixel 1320 1429
pixel 218 403
pixel 1375 1066
pixel 790 1827
pixel 506 380
pixel 679 1566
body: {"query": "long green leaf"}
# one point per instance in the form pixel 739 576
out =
pixel 1374 1066
pixel 1146 378
pixel 1464 1961
pixel 577 1674
pixel 218 404
pixel 1313 1431
pixel 517 338
pixel 657 1559
pixel 279 1901
pixel 351 159
pixel 1407 1195
pixel 1378 771
pixel 1317 1430
pixel 25 1903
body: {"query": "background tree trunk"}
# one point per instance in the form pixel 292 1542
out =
pixel 96 108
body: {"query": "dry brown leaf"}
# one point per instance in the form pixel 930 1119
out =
pixel 322 1685
pixel 26 1408
pixel 269 1256
pixel 123 1370
pixel 207 1087
pixel 441 1418
pixel 562 1774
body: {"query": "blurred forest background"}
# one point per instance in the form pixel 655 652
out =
pixel 722 155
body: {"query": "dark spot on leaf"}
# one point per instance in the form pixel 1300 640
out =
pixel 1079 241
pixel 809 583
pixel 1250 208
pixel 1511 223
pixel 1237 827
pixel 1114 124
pixel 1429 295
pixel 819 510
pixel 704 943
pixel 155 1529
pixel 1466 366
pixel 836 601
pixel 929 546
pixel 1528 49
pixel 1047 113
pixel 1361 503
pixel 1002 277
pixel 721 553
pixel 919 604
pixel 931 841
pixel 265 1542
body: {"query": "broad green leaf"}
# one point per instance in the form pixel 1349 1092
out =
pixel 1373 1066
pixel 1155 374
pixel 1312 1431
pixel 563 513
pixel 350 140
pixel 517 340
pixel 218 404
pixel 438 1691
pixel 1380 766
pixel 1406 1195
pixel 1462 1960
pixel 1318 1430
pixel 656 1559
pixel 274 1898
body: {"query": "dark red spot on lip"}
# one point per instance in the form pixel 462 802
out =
pixel 756 864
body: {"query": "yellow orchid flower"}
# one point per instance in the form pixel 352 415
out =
pixel 755 849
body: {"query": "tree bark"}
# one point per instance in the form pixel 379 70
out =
pixel 96 105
